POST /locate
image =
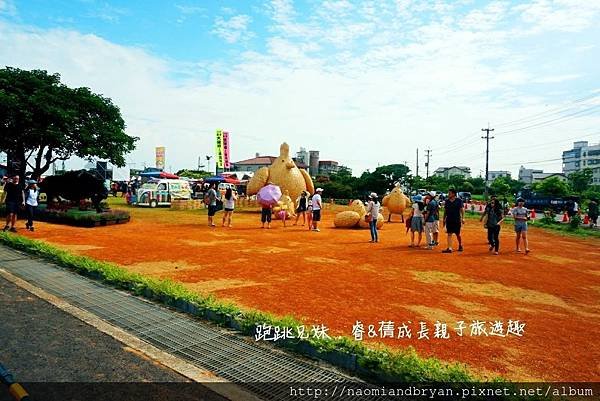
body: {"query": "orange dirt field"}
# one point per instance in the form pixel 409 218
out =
pixel 337 277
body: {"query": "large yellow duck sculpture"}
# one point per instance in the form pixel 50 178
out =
pixel 284 173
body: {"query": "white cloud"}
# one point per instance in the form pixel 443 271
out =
pixel 559 15
pixel 190 10
pixel 7 7
pixel 234 29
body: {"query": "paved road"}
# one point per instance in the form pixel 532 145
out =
pixel 41 343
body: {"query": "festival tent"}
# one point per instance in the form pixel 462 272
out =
pixel 158 174
pixel 215 178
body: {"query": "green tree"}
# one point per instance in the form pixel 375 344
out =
pixel 467 186
pixel 581 180
pixel 43 120
pixel 478 184
pixel 384 178
pixel 501 187
pixel 337 190
pixel 456 181
pixel 195 174
pixel 552 186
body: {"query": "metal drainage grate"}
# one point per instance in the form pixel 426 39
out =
pixel 227 355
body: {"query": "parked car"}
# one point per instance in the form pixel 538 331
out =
pixel 161 192
pixel 464 196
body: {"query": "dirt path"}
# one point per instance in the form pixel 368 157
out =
pixel 336 277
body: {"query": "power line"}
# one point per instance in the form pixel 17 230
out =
pixel 556 110
pixel 545 144
pixel 554 121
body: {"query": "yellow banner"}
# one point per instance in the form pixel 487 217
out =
pixel 160 157
pixel 219 150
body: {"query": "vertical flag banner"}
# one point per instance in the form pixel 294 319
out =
pixel 219 150
pixel 227 164
pixel 160 157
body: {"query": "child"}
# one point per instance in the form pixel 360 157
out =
pixel 282 215
pixel 309 211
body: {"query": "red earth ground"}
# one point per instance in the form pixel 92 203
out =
pixel 336 277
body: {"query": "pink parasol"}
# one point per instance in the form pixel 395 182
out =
pixel 268 195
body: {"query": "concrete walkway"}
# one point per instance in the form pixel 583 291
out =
pixel 43 343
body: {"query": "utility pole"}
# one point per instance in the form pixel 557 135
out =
pixel 487 156
pixel 427 162
pixel 417 161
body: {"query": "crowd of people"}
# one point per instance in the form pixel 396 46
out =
pixel 424 215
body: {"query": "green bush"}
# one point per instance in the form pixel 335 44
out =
pixel 575 222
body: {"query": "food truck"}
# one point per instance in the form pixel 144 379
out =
pixel 161 192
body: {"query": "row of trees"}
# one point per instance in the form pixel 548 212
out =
pixel 383 178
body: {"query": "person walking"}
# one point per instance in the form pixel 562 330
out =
pixel 317 205
pixel 432 220
pixel 265 215
pixel 484 216
pixel 521 214
pixel 14 200
pixel 372 213
pixel 211 201
pixel 229 199
pixel 494 216
pixel 454 218
pixel 302 207
pixel 31 202
pixel 593 212
pixel 417 223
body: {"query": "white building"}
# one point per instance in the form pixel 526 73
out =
pixel 530 175
pixel 582 156
pixel 493 174
pixel 447 172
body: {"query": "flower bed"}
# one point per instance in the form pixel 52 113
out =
pixel 76 217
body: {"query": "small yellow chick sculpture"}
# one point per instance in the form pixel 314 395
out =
pixel 396 202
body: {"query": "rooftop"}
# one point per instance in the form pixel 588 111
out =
pixel 266 160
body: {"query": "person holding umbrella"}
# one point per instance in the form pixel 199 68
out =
pixel 267 197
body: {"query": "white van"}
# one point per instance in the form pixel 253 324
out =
pixel 161 192
pixel 224 186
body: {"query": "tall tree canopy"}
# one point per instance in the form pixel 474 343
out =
pixel 43 120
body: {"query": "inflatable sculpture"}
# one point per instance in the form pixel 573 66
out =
pixel 284 173
pixel 355 217
pixel 75 186
pixel 396 202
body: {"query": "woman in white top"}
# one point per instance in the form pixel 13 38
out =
pixel 31 202
pixel 373 212
pixel 417 222
pixel 228 205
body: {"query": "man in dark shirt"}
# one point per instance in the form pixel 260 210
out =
pixel 14 200
pixel 454 218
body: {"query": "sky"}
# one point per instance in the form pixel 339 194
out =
pixel 366 83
